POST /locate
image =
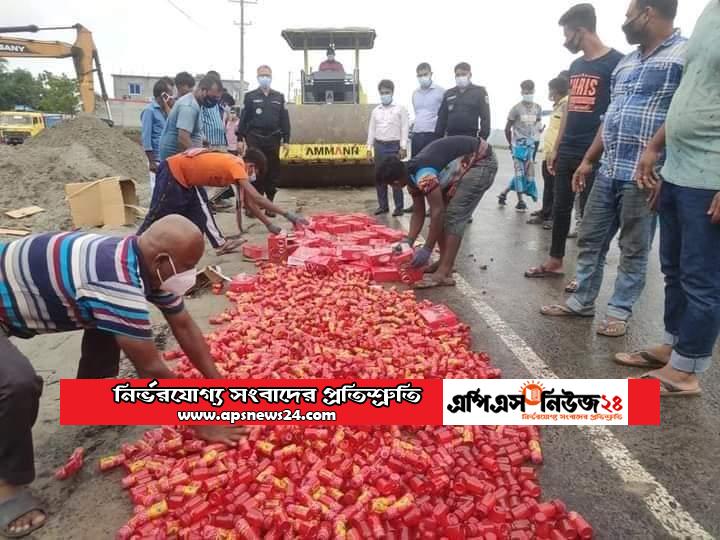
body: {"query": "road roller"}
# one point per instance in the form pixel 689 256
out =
pixel 329 117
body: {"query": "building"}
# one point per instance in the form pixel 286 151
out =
pixel 140 87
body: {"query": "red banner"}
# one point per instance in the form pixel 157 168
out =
pixel 246 402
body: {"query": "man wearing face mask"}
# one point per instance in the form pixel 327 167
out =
pixel 589 99
pixel 265 124
pixel 180 184
pixel 102 285
pixel 330 64
pixel 211 115
pixel 426 100
pixel 465 109
pixel 184 125
pixel 388 136
pixel 643 85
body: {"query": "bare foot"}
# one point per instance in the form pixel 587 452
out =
pixel 553 265
pixel 27 521
pixel 222 434
pixel 661 352
pixel 432 268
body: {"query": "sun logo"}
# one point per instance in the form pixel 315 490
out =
pixel 532 390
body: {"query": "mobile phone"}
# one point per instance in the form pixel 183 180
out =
pixel 166 97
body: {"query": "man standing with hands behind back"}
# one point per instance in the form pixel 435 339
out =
pixel 465 109
pixel 265 124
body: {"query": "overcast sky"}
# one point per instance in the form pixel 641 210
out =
pixel 505 41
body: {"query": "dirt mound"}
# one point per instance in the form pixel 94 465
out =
pixel 85 148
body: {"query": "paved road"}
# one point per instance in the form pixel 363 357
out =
pixel 681 454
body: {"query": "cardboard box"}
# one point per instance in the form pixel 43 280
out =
pixel 107 201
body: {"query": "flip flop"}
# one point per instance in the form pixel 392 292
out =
pixel 17 506
pixel 668 389
pixel 571 287
pixel 639 359
pixel 231 246
pixel 539 272
pixel 430 283
pixel 558 310
pixel 612 328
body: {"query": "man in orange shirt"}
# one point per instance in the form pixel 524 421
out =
pixel 177 191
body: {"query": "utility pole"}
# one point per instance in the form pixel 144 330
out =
pixel 242 24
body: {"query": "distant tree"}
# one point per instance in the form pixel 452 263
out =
pixel 19 87
pixel 3 65
pixel 59 94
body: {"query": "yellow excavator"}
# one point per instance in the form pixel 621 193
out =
pixel 83 52
pixel 329 118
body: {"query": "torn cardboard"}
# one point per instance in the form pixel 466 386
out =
pixel 108 201
pixel 24 212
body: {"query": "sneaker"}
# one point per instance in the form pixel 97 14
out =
pixel 521 206
pixel 502 200
pixel 380 211
pixel 397 212
pixel 547 225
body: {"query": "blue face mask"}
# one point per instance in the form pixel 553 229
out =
pixel 386 99
pixel 264 81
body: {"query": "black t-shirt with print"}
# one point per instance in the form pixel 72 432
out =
pixel 589 99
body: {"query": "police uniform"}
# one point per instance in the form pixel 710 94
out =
pixel 265 124
pixel 460 111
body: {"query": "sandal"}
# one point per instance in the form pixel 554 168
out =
pixel 639 359
pixel 231 246
pixel 23 502
pixel 668 389
pixel 428 282
pixel 559 310
pixel 540 272
pixel 571 287
pixel 614 328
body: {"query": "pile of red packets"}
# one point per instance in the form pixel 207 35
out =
pixel 332 242
pixel 334 482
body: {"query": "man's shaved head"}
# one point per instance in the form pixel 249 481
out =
pixel 174 237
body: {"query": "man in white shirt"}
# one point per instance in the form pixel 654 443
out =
pixel 388 136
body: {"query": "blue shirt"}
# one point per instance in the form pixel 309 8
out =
pixel 71 281
pixel 642 88
pixel 426 103
pixel 185 114
pixel 153 122
pixel 213 126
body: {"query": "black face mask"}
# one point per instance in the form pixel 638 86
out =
pixel 210 101
pixel 634 35
pixel 572 44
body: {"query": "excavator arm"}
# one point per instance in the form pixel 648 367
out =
pixel 83 53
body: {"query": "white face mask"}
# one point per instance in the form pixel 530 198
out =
pixel 425 81
pixel 528 98
pixel 177 284
pixel 462 81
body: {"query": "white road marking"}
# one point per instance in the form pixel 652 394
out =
pixel 658 500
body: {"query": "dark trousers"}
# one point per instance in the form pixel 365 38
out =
pixel 420 141
pixel 548 193
pixel 20 390
pixel 385 149
pixel 270 146
pixel 170 197
pixel 690 260
pixel 564 199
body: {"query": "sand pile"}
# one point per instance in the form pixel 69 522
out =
pixel 35 173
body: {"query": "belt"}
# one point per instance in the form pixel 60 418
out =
pixel 377 141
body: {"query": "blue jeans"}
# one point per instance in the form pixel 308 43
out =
pixel 612 206
pixel 383 150
pixel 690 259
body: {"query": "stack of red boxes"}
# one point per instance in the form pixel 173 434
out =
pixel 344 242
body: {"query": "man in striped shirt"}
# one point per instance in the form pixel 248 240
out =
pixel 102 285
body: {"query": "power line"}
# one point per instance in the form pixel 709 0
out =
pixel 186 15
